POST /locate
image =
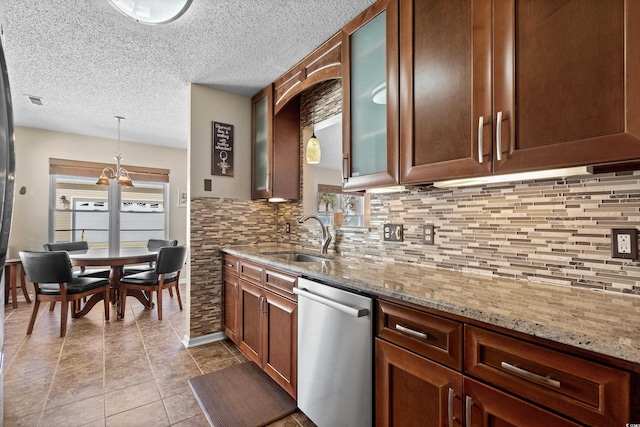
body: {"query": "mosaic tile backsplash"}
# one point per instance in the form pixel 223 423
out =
pixel 554 232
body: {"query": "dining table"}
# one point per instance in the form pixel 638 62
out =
pixel 116 259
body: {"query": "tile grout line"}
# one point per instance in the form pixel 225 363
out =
pixel 104 362
pixel 146 352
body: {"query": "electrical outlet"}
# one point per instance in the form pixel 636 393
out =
pixel 428 235
pixel 287 227
pixel 393 233
pixel 624 243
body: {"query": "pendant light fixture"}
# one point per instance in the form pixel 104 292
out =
pixel 313 153
pixel 119 174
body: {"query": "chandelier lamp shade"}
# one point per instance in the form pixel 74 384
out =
pixel 119 174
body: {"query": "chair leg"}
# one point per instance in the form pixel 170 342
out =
pixel 159 298
pixel 52 305
pixel 171 292
pixel 107 308
pixel 63 317
pixel 34 314
pixel 23 285
pixel 178 295
pixel 123 300
pixel 7 288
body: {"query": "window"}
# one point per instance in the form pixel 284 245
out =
pixel 106 216
pixel 332 199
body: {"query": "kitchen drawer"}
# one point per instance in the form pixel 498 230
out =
pixel 280 283
pixel 230 264
pixel 431 336
pixel 584 390
pixel 251 272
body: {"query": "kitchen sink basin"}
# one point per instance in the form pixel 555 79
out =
pixel 298 257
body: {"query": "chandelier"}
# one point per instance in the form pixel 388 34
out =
pixel 119 174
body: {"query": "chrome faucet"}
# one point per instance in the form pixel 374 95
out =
pixel 326 236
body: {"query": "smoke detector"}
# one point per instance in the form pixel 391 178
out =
pixel 36 100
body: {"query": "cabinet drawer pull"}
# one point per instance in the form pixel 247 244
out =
pixel 411 332
pixel 229 265
pixel 499 136
pixel 480 140
pixel 468 403
pixel 452 394
pixel 530 375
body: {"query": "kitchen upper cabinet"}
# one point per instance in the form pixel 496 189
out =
pixel 370 98
pixel 275 157
pixel 517 85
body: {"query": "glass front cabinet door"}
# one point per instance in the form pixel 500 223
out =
pixel 262 142
pixel 370 97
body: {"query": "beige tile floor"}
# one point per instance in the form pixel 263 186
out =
pixel 130 372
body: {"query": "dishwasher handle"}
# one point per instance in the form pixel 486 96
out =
pixel 352 311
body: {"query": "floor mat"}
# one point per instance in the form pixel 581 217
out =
pixel 241 396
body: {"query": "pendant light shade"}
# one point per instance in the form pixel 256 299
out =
pixel 313 150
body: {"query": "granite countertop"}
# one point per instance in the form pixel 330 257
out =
pixel 602 322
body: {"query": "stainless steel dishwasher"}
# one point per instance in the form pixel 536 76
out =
pixel 335 339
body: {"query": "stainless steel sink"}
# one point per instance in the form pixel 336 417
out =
pixel 298 257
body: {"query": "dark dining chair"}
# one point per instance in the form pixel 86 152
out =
pixel 77 246
pixel 53 280
pixel 152 245
pixel 165 275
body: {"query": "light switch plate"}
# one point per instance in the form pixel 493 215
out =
pixel 392 233
pixel 624 243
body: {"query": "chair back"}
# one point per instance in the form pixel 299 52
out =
pixel 47 267
pixel 155 244
pixel 66 246
pixel 171 259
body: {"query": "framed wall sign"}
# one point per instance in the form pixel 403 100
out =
pixel 221 149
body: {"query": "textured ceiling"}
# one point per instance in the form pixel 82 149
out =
pixel 89 62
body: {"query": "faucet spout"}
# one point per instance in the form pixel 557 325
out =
pixel 326 236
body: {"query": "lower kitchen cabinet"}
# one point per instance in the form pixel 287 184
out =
pixel 231 297
pixel 267 325
pixel 414 391
pixel 503 381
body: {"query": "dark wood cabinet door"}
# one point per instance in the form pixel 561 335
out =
pixel 566 82
pixel 230 314
pixel 487 406
pixel 280 320
pixel 370 88
pixel 445 89
pixel 251 303
pixel 414 391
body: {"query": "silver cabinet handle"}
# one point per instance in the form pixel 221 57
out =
pixel 452 394
pixel 345 165
pixel 480 142
pixel 229 265
pixel 468 403
pixel 411 332
pixel 352 311
pixel 499 136
pixel 530 375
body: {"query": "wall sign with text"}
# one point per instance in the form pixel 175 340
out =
pixel 221 149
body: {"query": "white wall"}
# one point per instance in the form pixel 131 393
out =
pixel 34 147
pixel 205 106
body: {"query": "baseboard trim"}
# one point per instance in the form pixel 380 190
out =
pixel 204 339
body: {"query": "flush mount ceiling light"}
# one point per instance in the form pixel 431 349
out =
pixel 313 152
pixel 119 174
pixel 36 100
pixel 152 12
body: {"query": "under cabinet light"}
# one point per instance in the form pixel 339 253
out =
pixel 522 176
pixel 384 190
